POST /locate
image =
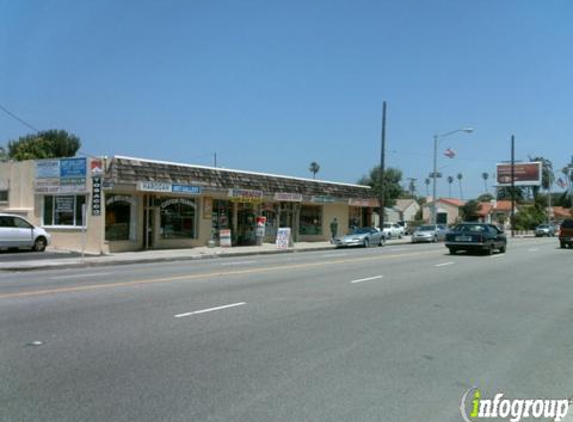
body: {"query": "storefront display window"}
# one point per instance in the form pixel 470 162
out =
pixel 63 210
pixel 178 218
pixel 269 211
pixel 120 217
pixel 310 220
pixel 354 217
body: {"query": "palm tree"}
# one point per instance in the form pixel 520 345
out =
pixel 314 168
pixel 427 182
pixel 485 175
pixel 460 177
pixel 450 181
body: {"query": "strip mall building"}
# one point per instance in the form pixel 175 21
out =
pixel 116 204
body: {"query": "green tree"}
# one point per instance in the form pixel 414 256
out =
pixel 485 176
pixel 460 177
pixel 529 217
pixel 469 211
pixel 504 193
pixel 314 168
pixel 44 144
pixel 392 184
pixel 486 197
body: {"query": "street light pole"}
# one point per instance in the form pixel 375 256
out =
pixel 435 172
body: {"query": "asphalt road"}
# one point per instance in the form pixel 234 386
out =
pixel 383 334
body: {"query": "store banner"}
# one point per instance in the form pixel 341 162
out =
pixel 283 238
pixel 96 196
pixel 246 195
pixel 288 197
pixel 67 175
pixel 225 238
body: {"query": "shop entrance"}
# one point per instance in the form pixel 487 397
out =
pixel 246 224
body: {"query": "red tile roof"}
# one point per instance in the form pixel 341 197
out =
pixel 562 212
pixel 504 206
pixel 484 209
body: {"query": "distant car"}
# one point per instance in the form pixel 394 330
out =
pixel 545 230
pixel 393 230
pixel 566 233
pixel 366 237
pixel 476 237
pixel 429 233
pixel 17 232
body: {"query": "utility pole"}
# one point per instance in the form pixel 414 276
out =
pixel 382 199
pixel 215 157
pixel 512 186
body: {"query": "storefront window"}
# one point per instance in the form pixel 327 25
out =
pixel 63 210
pixel 178 218
pixel 354 217
pixel 311 220
pixel 119 217
pixel 269 211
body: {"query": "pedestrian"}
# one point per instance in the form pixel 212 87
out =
pixel 333 229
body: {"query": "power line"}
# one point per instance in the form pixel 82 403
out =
pixel 25 123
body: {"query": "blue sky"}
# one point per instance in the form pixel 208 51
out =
pixel 272 85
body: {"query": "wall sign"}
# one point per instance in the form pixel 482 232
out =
pixel 246 195
pixel 207 208
pixel 288 197
pixel 164 187
pixel 67 175
pixel 323 199
pixel 96 196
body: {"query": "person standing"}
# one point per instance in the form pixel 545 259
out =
pixel 333 228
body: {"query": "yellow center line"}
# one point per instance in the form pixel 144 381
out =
pixel 202 275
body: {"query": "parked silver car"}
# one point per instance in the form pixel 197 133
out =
pixel 361 237
pixel 17 232
pixel 429 233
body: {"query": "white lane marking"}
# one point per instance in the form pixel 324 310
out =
pixel 366 279
pixel 79 276
pixel 335 255
pixel 444 264
pixel 228 264
pixel 203 311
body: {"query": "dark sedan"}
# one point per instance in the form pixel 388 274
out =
pixel 480 237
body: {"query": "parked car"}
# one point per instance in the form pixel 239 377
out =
pixel 393 230
pixel 476 237
pixel 566 233
pixel 17 232
pixel 545 230
pixel 429 233
pixel 361 237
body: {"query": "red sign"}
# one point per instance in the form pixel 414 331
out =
pixel 525 174
pixel 96 166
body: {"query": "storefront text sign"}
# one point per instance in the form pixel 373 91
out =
pixel 225 238
pixel 154 187
pixel 283 237
pixel 288 197
pixel 358 202
pixel 190 190
pixel 67 175
pixel 96 196
pixel 246 195
pixel 96 166
pixel 323 199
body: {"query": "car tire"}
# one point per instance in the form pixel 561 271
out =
pixel 452 251
pixel 366 243
pixel 502 249
pixel 562 244
pixel 489 251
pixel 40 244
pixel 381 242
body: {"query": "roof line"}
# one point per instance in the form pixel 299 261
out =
pixel 123 157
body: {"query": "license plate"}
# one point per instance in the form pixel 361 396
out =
pixel 463 239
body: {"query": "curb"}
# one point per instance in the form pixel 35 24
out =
pixel 91 264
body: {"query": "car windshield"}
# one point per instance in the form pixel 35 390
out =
pixel 361 231
pixel 426 228
pixel 478 228
pixel 543 226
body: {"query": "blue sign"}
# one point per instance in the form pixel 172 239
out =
pixel 192 190
pixel 73 167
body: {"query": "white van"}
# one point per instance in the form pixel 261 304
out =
pixel 17 232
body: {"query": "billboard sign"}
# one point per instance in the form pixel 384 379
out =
pixel 525 174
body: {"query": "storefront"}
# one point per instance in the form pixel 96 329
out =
pixel 121 204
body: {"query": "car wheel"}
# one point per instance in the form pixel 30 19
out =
pixel 502 249
pixel 452 251
pixel 381 242
pixel 562 244
pixel 366 243
pixel 489 251
pixel 40 244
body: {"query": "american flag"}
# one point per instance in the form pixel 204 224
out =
pixel 560 183
pixel 450 153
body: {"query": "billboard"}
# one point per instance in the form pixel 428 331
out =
pixel 525 174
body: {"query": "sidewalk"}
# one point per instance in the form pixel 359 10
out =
pixel 166 255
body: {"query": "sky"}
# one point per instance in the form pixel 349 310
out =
pixel 271 86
